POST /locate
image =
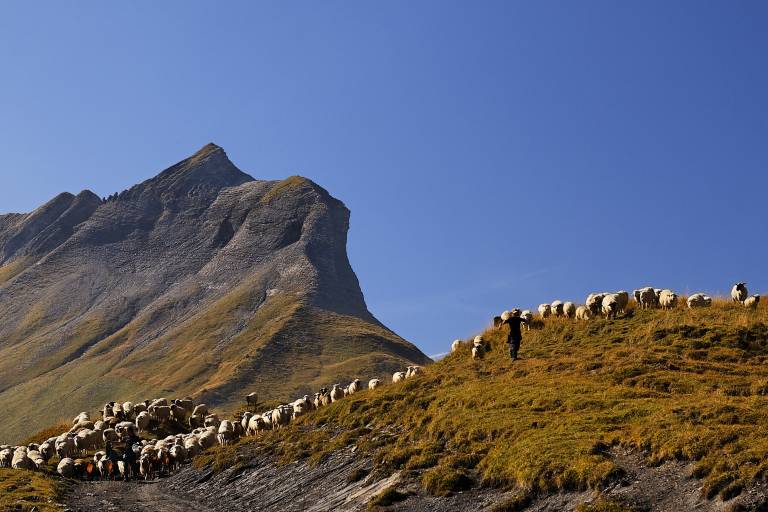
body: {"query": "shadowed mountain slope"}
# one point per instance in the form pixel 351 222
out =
pixel 199 281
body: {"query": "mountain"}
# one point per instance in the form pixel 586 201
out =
pixel 200 281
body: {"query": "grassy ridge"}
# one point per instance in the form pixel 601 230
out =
pixel 28 490
pixel 682 384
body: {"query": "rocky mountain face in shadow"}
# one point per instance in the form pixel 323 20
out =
pixel 200 281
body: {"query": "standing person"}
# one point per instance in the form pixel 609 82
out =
pixel 129 458
pixel 515 337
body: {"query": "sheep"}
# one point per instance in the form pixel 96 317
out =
pixel 200 410
pixel 6 457
pixel 636 295
pixel 207 440
pixel 752 302
pixel 300 408
pixel 478 348
pixel 255 424
pixel 212 420
pixel 594 303
pixel 610 306
pixel 21 460
pixel 354 387
pixel 65 446
pixel 281 417
pixel 667 299
pixel 739 292
pixel 37 459
pixel 192 446
pixel 178 456
pixel 622 297
pixel 126 429
pixel 455 345
pixel 251 399
pixel 142 421
pixel 104 467
pixel 398 377
pixel 48 450
pixel 145 467
pixel 556 308
pixel 109 435
pixel 195 421
pixel 66 467
pixel 583 313
pixel 414 371
pixel 528 316
pixel 374 383
pixel 83 416
pixel 569 309
pixel 178 413
pixel 648 298
pixel 337 393
pixel 699 300
pixel 545 310
pixel 226 433
pixel 160 413
pixel 187 404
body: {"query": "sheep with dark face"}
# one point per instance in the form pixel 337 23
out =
pixel 569 309
pixel 557 308
pixel 610 306
pixel 595 303
pixel 478 347
pixel 545 310
pixel 739 292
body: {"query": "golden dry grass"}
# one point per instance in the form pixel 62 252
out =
pixel 27 490
pixel 682 384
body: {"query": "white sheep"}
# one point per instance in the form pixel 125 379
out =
pixel 667 299
pixel 374 383
pixel 478 347
pixel 610 306
pixel 528 316
pixel 583 313
pixel 739 292
pixel 66 467
pixel 226 433
pixel 414 371
pixel 354 387
pixel 545 310
pixel 455 345
pixel 398 377
pixel 556 308
pixel 699 300
pixel 752 301
pixel 337 393
pixel 569 309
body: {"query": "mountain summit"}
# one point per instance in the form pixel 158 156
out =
pixel 200 281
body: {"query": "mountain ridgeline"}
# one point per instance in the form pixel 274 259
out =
pixel 200 281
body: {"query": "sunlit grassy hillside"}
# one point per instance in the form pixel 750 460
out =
pixel 682 384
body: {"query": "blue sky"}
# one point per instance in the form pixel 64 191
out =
pixel 493 154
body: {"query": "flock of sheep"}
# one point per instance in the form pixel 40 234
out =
pixel 611 305
pixel 123 421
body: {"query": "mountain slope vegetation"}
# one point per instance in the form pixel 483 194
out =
pixel 201 281
pixel 680 385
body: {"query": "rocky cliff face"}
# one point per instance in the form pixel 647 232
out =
pixel 200 281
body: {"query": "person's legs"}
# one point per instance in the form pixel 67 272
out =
pixel 514 347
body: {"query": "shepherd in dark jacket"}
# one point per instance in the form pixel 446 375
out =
pixel 515 336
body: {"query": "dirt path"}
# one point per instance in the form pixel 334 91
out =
pixel 128 497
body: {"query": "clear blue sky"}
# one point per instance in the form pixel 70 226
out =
pixel 492 153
